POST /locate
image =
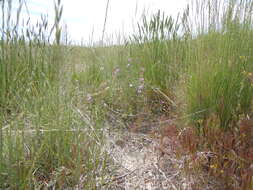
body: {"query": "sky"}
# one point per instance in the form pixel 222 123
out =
pixel 85 18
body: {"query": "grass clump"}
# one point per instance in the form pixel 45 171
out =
pixel 218 91
pixel 47 139
pixel 156 48
pixel 202 74
pixel 218 83
pixel 52 112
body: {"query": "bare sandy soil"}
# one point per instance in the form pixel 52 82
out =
pixel 140 165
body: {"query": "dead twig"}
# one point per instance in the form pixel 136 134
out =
pixel 164 175
pixel 121 177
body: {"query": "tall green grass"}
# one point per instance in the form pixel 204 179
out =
pixel 208 47
pixel 47 139
pixel 200 64
pixel 217 89
pixel 157 48
pixel 218 82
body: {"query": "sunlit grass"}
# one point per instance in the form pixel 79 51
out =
pixel 55 98
pixel 206 56
pixel 46 140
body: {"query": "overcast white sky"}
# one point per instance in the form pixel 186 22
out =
pixel 84 16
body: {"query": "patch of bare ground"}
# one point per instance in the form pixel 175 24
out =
pixel 140 164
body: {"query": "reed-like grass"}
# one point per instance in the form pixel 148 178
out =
pixel 157 49
pixel 200 65
pixel 47 139
pixel 54 97
pixel 219 66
